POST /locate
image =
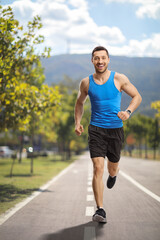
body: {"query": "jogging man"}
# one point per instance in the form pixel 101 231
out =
pixel 105 131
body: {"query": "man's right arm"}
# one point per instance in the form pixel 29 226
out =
pixel 82 96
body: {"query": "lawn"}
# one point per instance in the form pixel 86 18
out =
pixel 150 153
pixel 22 183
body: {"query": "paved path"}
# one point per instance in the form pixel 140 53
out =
pixel 63 211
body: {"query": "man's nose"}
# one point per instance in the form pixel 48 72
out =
pixel 100 60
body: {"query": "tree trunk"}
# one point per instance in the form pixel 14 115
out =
pixel 146 148
pixel 32 165
pixel 32 144
pixel 154 151
pixel 11 171
pixel 140 150
pixel 21 147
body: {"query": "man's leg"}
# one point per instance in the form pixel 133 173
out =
pixel 113 170
pixel 98 188
pixel 97 183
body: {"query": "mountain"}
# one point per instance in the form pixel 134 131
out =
pixel 144 73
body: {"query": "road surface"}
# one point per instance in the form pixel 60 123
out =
pixel 63 211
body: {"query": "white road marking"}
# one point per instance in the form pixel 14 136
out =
pixel 89 233
pixel 90 175
pixel 4 217
pixel 156 197
pixel 89 189
pixel 89 211
pixel 90 178
pixel 90 198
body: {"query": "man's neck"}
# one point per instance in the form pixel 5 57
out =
pixel 102 76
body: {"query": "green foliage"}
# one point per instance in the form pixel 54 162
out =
pixel 23 96
pixel 156 105
pixel 145 131
pixel 64 120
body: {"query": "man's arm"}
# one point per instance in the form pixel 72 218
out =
pixel 131 90
pixel 82 96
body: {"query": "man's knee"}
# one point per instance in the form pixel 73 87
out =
pixel 98 167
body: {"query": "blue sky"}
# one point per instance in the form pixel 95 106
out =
pixel 125 27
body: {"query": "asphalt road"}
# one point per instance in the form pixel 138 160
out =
pixel 64 210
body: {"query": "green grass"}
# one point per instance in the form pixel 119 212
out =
pixel 22 183
pixel 150 153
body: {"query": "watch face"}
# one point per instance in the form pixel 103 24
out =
pixel 129 112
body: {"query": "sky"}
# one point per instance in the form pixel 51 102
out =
pixel 125 27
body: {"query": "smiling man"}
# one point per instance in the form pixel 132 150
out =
pixel 105 131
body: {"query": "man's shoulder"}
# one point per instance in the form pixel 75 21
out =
pixel 120 77
pixel 85 83
pixel 85 80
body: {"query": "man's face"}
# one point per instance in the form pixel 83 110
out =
pixel 100 61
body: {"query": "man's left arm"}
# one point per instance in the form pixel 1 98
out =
pixel 131 90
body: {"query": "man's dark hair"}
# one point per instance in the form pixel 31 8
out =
pixel 99 48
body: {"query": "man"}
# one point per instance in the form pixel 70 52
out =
pixel 105 131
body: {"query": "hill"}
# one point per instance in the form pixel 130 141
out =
pixel 144 73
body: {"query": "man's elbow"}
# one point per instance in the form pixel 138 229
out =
pixel 139 99
pixel 79 103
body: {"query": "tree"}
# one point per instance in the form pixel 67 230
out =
pixel 21 68
pixel 156 135
pixel 139 126
pixel 23 96
pixel 64 121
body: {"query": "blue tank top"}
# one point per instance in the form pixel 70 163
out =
pixel 105 103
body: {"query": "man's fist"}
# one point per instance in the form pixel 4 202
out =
pixel 79 129
pixel 123 115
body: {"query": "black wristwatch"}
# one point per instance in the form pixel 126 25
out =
pixel 129 112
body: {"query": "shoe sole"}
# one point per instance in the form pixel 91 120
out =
pixel 98 218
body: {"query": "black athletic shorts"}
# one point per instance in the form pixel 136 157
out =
pixel 105 142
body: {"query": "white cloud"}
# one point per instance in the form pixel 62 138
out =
pixel 68 25
pixel 67 21
pixel 149 47
pixel 149 10
pixel 146 8
pixel 78 3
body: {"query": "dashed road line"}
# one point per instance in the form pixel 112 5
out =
pixel 89 211
pixel 90 198
pixel 89 189
pixel 90 178
pixel 89 232
pixel 89 183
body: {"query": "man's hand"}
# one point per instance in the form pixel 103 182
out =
pixel 123 115
pixel 79 129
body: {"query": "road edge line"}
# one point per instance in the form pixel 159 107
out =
pixel 141 187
